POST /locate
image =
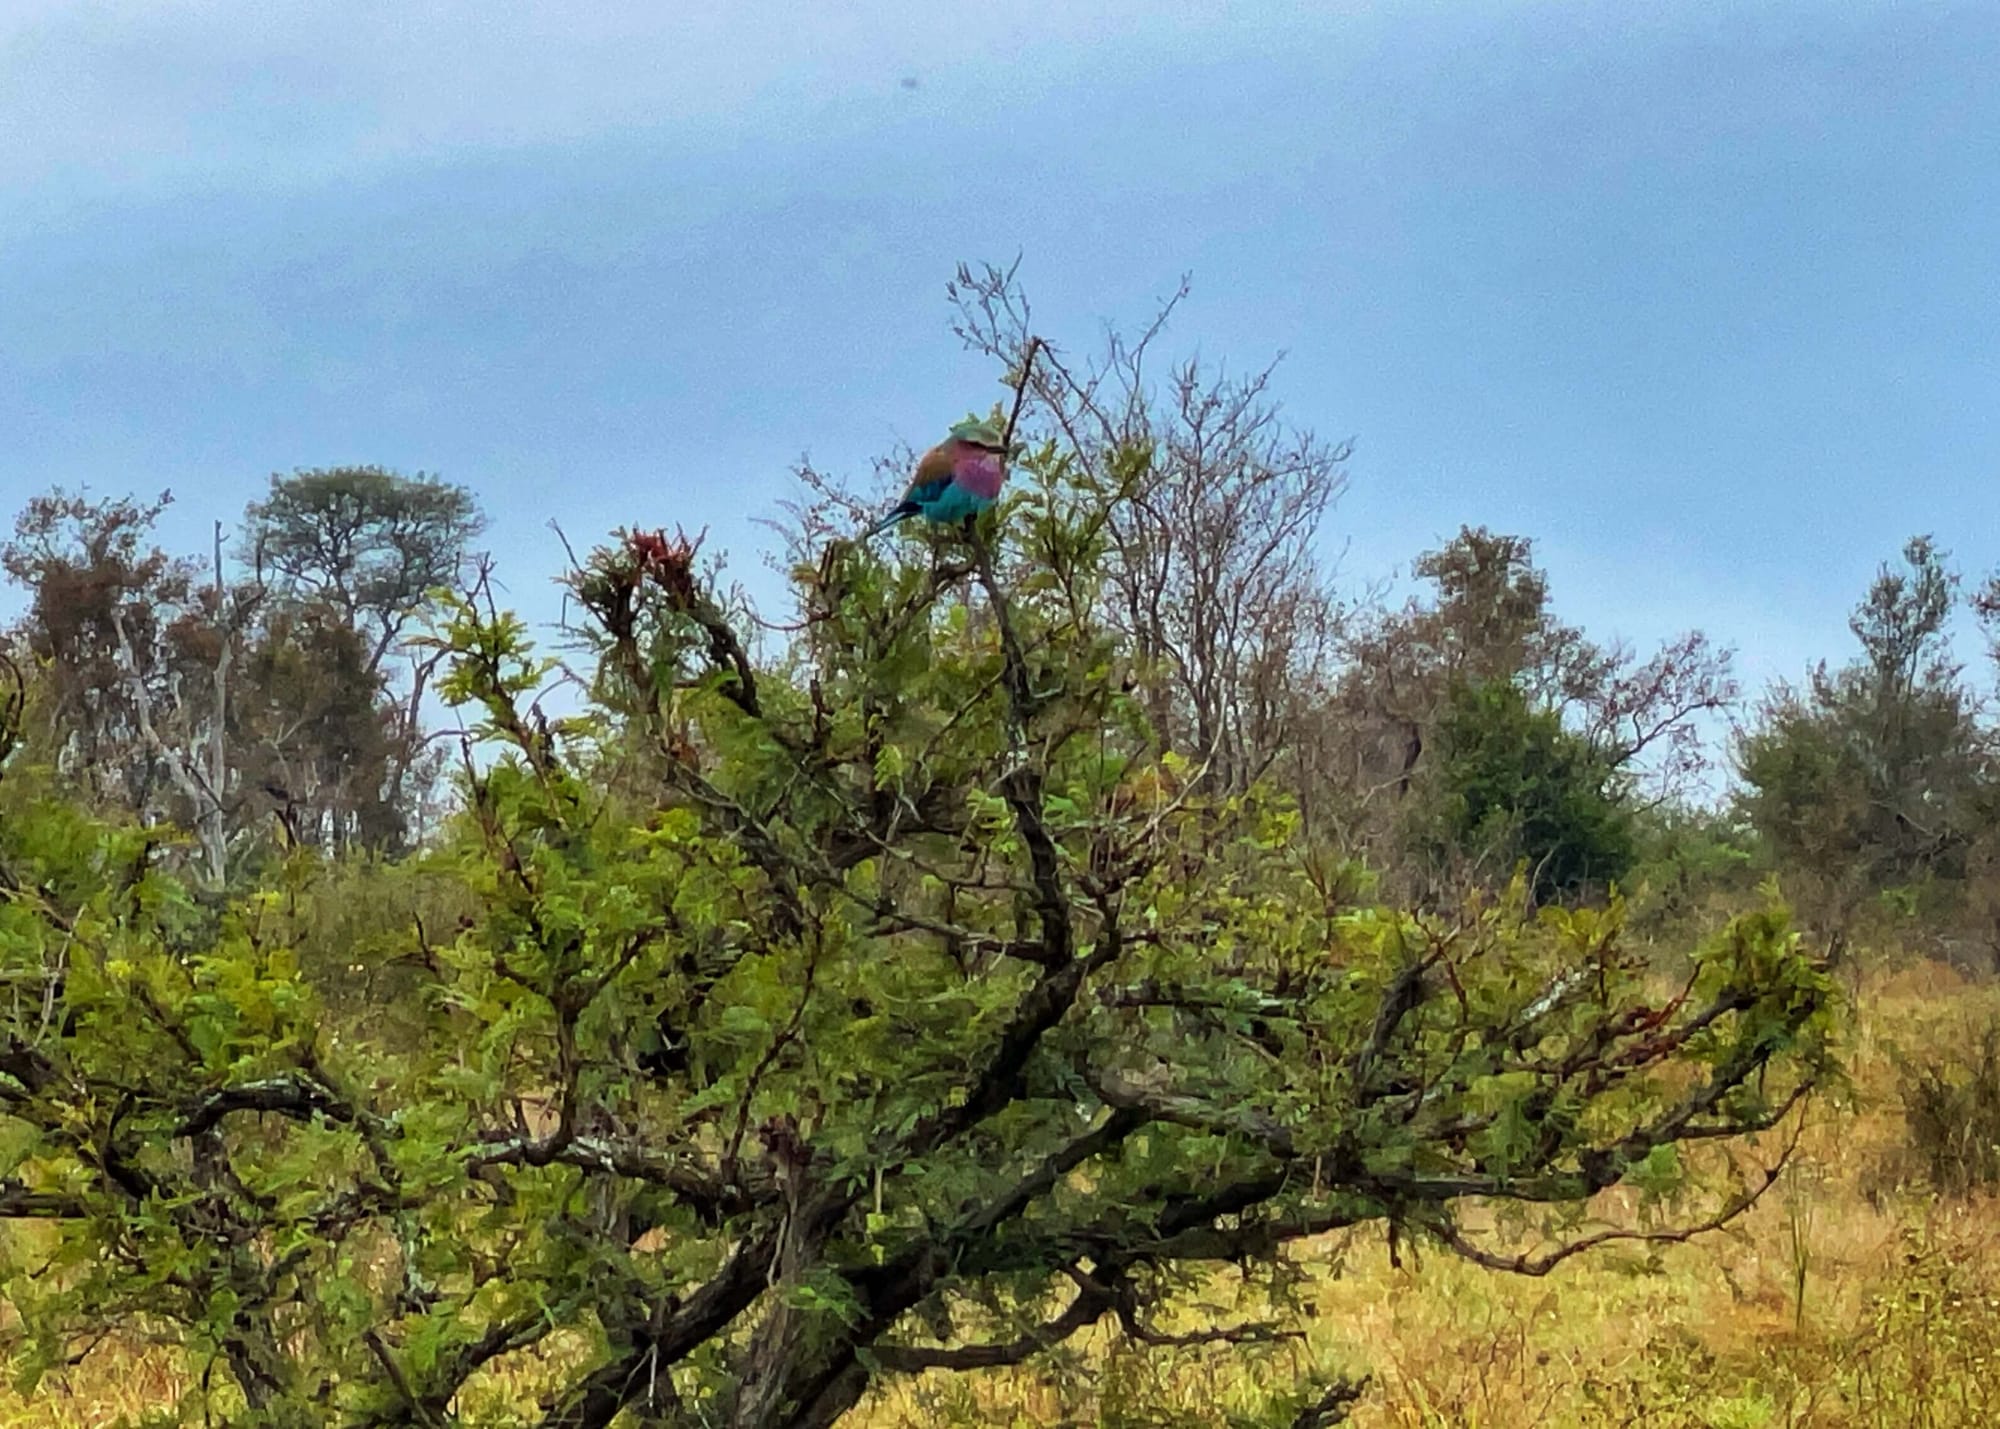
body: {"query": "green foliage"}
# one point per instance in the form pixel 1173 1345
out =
pixel 1511 785
pixel 1692 868
pixel 764 1031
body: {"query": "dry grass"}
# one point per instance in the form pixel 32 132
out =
pixel 1844 1299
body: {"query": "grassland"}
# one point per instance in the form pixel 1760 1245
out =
pixel 1852 1295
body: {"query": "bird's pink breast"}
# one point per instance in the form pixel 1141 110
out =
pixel 979 472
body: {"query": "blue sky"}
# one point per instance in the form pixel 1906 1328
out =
pixel 1703 298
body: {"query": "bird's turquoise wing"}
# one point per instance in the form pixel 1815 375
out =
pixel 925 490
pixel 953 504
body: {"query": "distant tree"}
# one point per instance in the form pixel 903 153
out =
pixel 992 1025
pixel 1984 875
pixel 1508 785
pixel 1486 622
pixel 1490 619
pixel 1987 605
pixel 318 734
pixel 1876 775
pixel 371 546
pixel 89 567
pixel 368 542
pixel 140 652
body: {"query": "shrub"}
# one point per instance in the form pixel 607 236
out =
pixel 1951 1114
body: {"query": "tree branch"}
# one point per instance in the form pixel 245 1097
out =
pixel 595 1401
pixel 18 1203
pixel 1441 1225
pixel 293 1097
pixel 683 1174
pixel 1332 1405
pixel 1085 1310
pixel 1159 1104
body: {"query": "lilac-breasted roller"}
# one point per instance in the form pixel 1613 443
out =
pixel 956 479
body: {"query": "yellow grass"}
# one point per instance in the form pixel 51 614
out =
pixel 1898 1323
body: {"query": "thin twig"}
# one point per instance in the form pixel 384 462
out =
pixel 1035 345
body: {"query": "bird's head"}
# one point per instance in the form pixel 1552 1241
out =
pixel 985 435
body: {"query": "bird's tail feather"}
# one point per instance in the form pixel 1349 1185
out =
pixel 896 514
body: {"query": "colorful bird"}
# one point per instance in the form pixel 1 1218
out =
pixel 955 480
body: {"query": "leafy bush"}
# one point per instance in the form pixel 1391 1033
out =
pixel 1693 867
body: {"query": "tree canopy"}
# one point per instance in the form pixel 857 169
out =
pixel 1511 785
pixel 1878 775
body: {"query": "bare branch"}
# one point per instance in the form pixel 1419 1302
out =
pixel 1085 1310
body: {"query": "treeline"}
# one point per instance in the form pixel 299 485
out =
pixel 266 693
pixel 272 692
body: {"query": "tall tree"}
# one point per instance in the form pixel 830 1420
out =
pixel 1485 621
pixel 369 542
pixel 1875 775
pixel 369 546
